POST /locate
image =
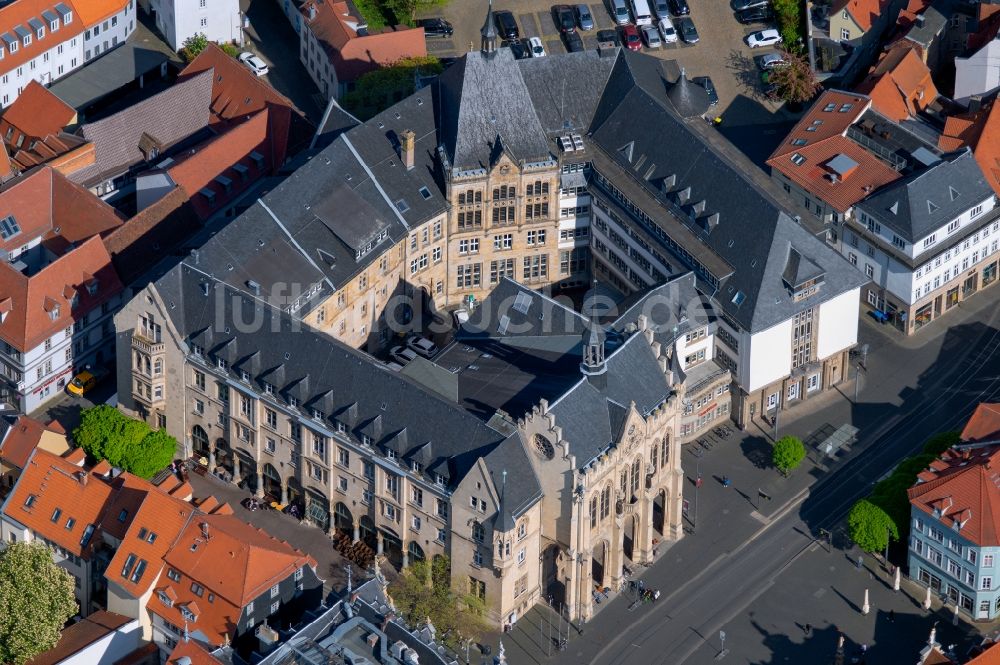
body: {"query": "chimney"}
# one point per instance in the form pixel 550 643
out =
pixel 407 148
pixel 82 477
pixel 975 103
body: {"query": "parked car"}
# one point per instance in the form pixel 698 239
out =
pixel 584 18
pixel 518 48
pixel 83 382
pixel 607 39
pixel 402 355
pixel 667 31
pixel 535 47
pixel 506 25
pixel 574 42
pixel 759 14
pixel 739 5
pixel 435 27
pixel 422 346
pixel 253 63
pixel 768 37
pixel 706 82
pixel 630 38
pixel 651 36
pixel 685 26
pixel 661 8
pixel 619 11
pixel 769 61
pixel 564 19
pixel 680 7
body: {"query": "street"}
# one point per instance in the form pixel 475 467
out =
pixel 746 587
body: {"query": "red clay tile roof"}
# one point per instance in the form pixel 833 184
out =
pixel 21 439
pixel 94 11
pixel 196 654
pixel 959 489
pixel 199 169
pixel 58 484
pixel 899 84
pixel 984 425
pixel 352 55
pixel 232 560
pixel 236 92
pixel 981 132
pixel 80 635
pixel 36 113
pixel 864 12
pixel 819 137
pixel 989 656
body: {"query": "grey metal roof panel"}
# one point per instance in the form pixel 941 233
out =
pixel 102 76
pixel 49 15
pixel 565 90
pixel 21 31
pixel 35 24
pixel 316 360
pixel 483 98
pixel 915 206
pixel 514 310
pixel 63 9
pixel 671 309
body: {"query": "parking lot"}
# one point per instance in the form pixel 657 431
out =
pixel 721 53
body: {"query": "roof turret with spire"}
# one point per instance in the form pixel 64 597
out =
pixel 488 33
pixel 592 365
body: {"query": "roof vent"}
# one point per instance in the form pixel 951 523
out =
pixel 253 286
pixel 684 195
pixel 566 143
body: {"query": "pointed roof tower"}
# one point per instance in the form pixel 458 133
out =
pixel 488 33
pixel 504 522
pixel 592 366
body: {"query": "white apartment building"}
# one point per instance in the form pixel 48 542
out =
pixel 926 242
pixel 43 40
pixel 219 20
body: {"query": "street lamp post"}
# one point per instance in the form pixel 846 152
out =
pixel 859 372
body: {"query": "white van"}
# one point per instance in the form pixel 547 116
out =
pixel 620 11
pixel 640 10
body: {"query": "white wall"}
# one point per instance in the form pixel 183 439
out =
pixel 109 33
pixel 770 355
pixel 219 20
pixel 109 649
pixel 838 324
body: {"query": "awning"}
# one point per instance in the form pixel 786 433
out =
pixel 572 180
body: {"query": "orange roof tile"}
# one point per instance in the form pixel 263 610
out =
pixel 220 155
pixel 58 485
pixel 819 137
pixel 958 489
pixel 980 131
pixel 194 652
pixel 233 561
pixel 984 425
pixel 864 12
pixel 94 11
pixel 900 84
pixel 989 656
pixel 236 92
pixel 352 55
pixel 21 439
pixel 36 113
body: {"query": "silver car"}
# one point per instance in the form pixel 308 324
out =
pixel 583 17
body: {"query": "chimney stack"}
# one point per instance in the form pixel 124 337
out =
pixel 407 148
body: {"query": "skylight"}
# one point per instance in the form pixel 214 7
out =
pixel 9 227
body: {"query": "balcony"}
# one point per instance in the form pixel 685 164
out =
pixel 146 346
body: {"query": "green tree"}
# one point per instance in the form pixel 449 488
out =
pixel 229 49
pixel 870 527
pixel 787 454
pixel 36 600
pixel 789 18
pixel 193 46
pixel 378 90
pixel 795 82
pixel 423 591
pixel 105 433
pixel 404 11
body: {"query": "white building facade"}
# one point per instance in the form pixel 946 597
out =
pixel 218 20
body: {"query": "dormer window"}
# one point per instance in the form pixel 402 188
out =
pixel 221 363
pixel 165 599
pixel 317 414
pixel 244 376
pixel 292 402
pixel 54 313
pixel 188 614
pixel 13 47
pixel 268 388
pixel 389 453
pixel 27 40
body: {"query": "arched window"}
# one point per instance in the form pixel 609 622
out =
pixel 654 455
pixel 461 198
pixel 606 501
pixel 636 474
pixel 623 481
pixel 593 511
pixel 665 452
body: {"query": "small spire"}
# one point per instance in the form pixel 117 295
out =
pixel 488 33
pixel 593 341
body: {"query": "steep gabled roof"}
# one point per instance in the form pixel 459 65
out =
pixel 900 84
pixel 22 436
pixel 984 425
pixel 37 112
pixel 864 12
pixel 980 131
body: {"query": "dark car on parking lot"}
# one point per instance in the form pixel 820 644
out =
pixel 574 42
pixel 706 82
pixel 740 5
pixel 630 38
pixel 518 48
pixel 506 25
pixel 564 18
pixel 680 7
pixel 607 38
pixel 762 14
pixel 685 26
pixel 435 27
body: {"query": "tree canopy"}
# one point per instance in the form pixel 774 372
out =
pixel 105 433
pixel 788 453
pixel 193 46
pixel 379 89
pixel 795 82
pixel 870 527
pixel 423 591
pixel 36 600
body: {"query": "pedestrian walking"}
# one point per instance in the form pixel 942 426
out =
pixel 861 562
pixel 725 481
pixel 892 616
pixel 807 629
pixel 697 481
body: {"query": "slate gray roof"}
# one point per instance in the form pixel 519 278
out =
pixel 514 310
pixel 690 100
pixel 565 90
pixel 103 76
pixel 752 234
pixel 917 205
pixel 169 117
pixel 334 379
pixel 671 309
pixel 335 122
pixel 483 98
